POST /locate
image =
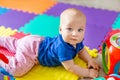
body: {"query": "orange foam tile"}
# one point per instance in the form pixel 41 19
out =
pixel 31 6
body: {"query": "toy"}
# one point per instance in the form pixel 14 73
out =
pixel 109 77
pixel 93 53
pixel 4 75
pixel 111 53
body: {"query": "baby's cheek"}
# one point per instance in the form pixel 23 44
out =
pixel 81 39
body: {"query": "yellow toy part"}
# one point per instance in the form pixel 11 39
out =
pixel 93 53
pixel 6 78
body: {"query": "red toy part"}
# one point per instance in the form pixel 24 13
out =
pixel 112 77
pixel 111 52
pixel 4 58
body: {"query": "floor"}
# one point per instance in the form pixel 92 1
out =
pixel 102 4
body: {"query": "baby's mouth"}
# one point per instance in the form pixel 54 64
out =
pixel 73 39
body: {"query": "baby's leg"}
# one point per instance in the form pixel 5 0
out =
pixel 8 43
pixel 18 65
pixel 25 57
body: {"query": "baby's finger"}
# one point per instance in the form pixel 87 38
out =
pixel 97 67
pixel 90 67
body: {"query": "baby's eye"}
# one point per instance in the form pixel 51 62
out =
pixel 79 30
pixel 69 29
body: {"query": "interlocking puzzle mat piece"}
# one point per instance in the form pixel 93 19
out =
pixel 98 22
pixel 3 10
pixel 31 6
pixel 116 24
pixel 43 25
pixel 94 16
pixel 1 76
pixel 15 19
pixel 51 73
pixel 6 31
pixel 19 35
pixel 94 35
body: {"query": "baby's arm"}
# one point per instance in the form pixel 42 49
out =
pixel 70 66
pixel 83 54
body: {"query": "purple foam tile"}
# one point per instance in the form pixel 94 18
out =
pixel 94 16
pixel 94 35
pixel 15 19
pixel 1 76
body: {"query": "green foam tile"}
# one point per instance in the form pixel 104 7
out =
pixel 116 24
pixel 43 25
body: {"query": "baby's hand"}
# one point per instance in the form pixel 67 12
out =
pixel 93 65
pixel 93 73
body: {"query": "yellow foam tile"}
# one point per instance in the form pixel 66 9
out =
pixel 32 6
pixel 6 31
pixel 51 73
pixel 54 73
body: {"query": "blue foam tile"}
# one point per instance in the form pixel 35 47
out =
pixel 3 10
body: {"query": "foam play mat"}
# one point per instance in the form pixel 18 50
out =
pixel 19 18
pixel 42 72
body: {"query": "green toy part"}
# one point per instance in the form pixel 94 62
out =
pixel 103 58
pixel 100 78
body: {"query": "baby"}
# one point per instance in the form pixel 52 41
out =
pixel 56 51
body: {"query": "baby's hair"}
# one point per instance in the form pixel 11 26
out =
pixel 71 12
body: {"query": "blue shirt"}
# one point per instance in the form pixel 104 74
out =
pixel 53 51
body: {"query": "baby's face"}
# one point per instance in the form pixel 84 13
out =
pixel 73 29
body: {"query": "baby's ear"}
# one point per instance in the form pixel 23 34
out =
pixel 60 29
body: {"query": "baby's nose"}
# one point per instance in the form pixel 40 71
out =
pixel 74 33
